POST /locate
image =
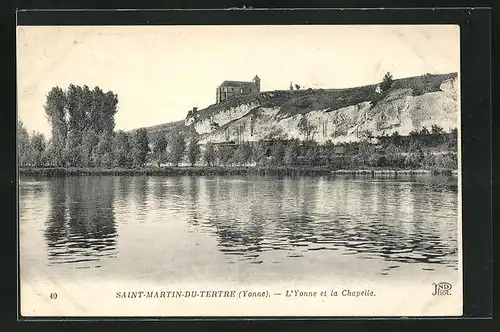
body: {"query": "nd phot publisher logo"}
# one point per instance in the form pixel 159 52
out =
pixel 441 289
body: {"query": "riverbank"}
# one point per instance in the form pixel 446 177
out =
pixel 229 170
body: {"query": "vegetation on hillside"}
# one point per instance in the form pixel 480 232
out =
pixel 292 102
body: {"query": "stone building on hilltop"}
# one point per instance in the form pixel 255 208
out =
pixel 229 89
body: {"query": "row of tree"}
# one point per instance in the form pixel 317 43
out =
pixel 122 149
pixel 115 149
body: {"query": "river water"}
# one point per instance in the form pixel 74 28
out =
pixel 240 229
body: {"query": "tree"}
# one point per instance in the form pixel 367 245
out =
pixel 109 111
pixel 122 149
pixel 77 117
pixel 243 154
pixel 55 110
pixel 453 139
pixel 425 136
pixel 415 155
pixel 436 135
pixel 101 109
pixel 259 153
pixel 365 153
pixel 89 144
pixel 159 149
pixel 312 156
pixel 291 154
pixel 103 153
pixel 424 131
pixel 436 130
pixel 396 139
pixel 209 155
pixel 79 110
pixel 193 151
pixel 329 149
pixel 394 155
pixel 178 147
pixel 278 152
pixel 414 133
pixel 446 160
pixel 23 144
pixel 224 154
pixel 38 146
pixel 72 151
pixel 140 147
pixel 387 82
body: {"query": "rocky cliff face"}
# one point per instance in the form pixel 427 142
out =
pixel 338 115
pixel 401 110
pixel 205 125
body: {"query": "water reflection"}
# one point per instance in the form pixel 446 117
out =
pixel 399 221
pixel 250 220
pixel 234 218
pixel 81 226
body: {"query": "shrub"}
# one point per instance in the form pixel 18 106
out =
pixel 387 82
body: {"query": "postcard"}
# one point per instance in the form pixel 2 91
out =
pixel 239 170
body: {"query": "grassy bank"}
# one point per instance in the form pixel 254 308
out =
pixel 229 170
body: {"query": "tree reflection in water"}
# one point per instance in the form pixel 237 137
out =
pixel 81 227
pixel 408 222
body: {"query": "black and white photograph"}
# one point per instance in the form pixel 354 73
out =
pixel 239 170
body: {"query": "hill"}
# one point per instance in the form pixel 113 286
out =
pixel 326 114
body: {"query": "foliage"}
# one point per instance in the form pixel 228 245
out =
pixel 242 155
pixel 259 153
pixel 23 143
pixel 89 145
pixel 78 115
pixel 159 149
pixel 103 154
pixel 364 152
pixel 396 138
pixel 415 156
pixel 140 148
pixel 292 154
pixel 194 151
pixel 178 147
pixel 312 156
pixel 394 155
pixel 122 148
pixel 224 154
pixel 73 149
pixel 55 111
pixel 278 152
pixel 387 82
pixel 38 146
pixel 209 155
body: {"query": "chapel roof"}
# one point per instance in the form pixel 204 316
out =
pixel 235 83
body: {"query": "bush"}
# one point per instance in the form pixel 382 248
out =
pixel 387 82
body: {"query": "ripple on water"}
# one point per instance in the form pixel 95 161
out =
pixel 401 221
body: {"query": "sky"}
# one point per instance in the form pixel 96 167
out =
pixel 161 72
